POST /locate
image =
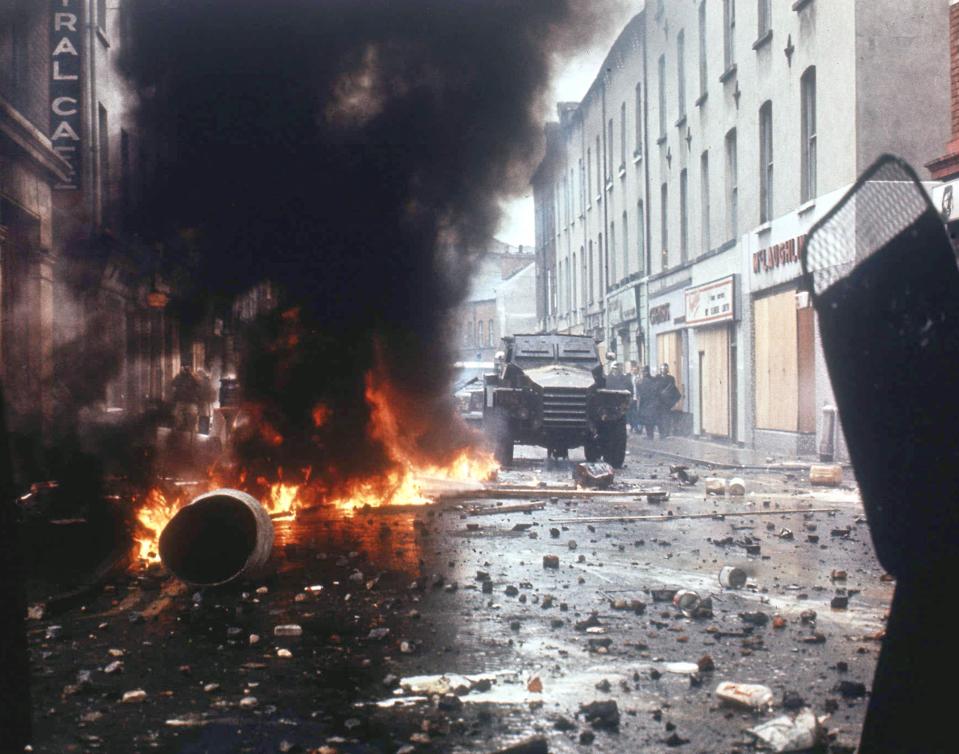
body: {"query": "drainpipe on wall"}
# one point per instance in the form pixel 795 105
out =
pixel 647 262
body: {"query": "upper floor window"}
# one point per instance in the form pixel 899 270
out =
pixel 704 200
pixel 703 71
pixel 732 186
pixel 765 14
pixel 681 72
pixel 662 96
pixel 102 14
pixel 609 150
pixel 766 162
pixel 622 135
pixel 683 215
pixel 808 122
pixel 729 33
pixel 638 115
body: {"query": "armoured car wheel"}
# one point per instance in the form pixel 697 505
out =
pixel 613 438
pixel 593 450
pixel 504 451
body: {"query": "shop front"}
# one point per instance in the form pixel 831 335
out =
pixel 626 337
pixel 789 383
pixel 711 314
pixel 669 345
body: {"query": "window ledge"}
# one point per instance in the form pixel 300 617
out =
pixel 764 40
pixel 764 228
pixel 661 140
pixel 701 99
pixel 637 157
pixel 609 185
pixel 806 207
pixel 589 207
pixel 599 197
pixel 622 170
pixel 728 74
pixel 800 4
pixel 681 121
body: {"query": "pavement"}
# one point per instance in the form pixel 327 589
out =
pixel 716 453
pixel 470 627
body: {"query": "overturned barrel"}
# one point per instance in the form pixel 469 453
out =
pixel 217 538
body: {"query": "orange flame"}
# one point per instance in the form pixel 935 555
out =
pixel 411 479
pixel 152 517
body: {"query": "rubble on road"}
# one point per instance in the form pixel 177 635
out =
pixel 752 696
pixel 798 732
pixel 598 475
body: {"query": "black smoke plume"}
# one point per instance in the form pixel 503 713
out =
pixel 338 149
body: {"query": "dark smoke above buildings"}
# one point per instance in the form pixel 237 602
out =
pixel 338 149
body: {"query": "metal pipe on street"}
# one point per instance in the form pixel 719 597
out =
pixel 664 517
pixel 220 536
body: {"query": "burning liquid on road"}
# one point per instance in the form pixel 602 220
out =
pixel 411 479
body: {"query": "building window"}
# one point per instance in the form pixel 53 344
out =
pixel 589 176
pixel 102 15
pixel 592 279
pixel 664 220
pixel 681 72
pixel 732 187
pixel 683 215
pixel 489 332
pixel 638 149
pixel 622 136
pixel 479 333
pixel 765 13
pixel 103 133
pixel 703 71
pixel 611 254
pixel 599 169
pixel 571 272
pixel 640 238
pixel 704 199
pixel 662 96
pixel 625 244
pixel 610 169
pixel 766 162
pixel 601 261
pixel 582 188
pixel 729 33
pixel 467 331
pixel 808 87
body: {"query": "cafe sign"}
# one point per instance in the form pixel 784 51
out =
pixel 66 27
pixel 711 302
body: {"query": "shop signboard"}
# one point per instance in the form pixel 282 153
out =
pixel 711 302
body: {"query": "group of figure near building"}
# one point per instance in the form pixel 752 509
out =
pixel 654 397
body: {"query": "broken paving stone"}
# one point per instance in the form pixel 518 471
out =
pixel 839 602
pixel 556 623
pixel 706 664
pixel 547 601
pixel 792 700
pixel 211 687
pixel 554 533
pixel 807 616
pixel 450 703
pixel 290 629
pixel 837 575
pixel 604 686
pixel 114 667
pixel 816 638
pixel 284 654
pixel 786 534
pixel 254 639
pixel 592 621
pixel 663 595
pixel 514 625
pixel 487 587
pixel 572 545
pixel 587 737
pixel 249 702
pixel 535 685
pixel 378 634
pixel 137 696
pixel 851 689
pixel 536 745
pixel 482 576
pixel 564 724
pixel 779 621
pixel 602 715
pixel 636 606
pixel 53 633
pixel 676 740
pixel 551 561
pixel 757 618
pixel 786 733
pixel 511 591
pixel 748 695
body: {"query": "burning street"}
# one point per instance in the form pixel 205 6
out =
pixel 452 626
pixel 434 376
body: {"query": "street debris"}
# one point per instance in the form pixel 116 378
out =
pixel 787 733
pixel 134 697
pixel 736 487
pixel 682 475
pixel 715 486
pixel 597 475
pixel 825 475
pixel 748 695
pixel 732 577
pixel 602 715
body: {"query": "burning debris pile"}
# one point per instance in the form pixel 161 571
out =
pixel 352 155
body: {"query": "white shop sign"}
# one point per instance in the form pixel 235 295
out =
pixel 711 302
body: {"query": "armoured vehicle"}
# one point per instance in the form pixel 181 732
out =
pixel 550 390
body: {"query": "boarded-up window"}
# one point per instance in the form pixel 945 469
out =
pixel 713 346
pixel 784 369
pixel 669 350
